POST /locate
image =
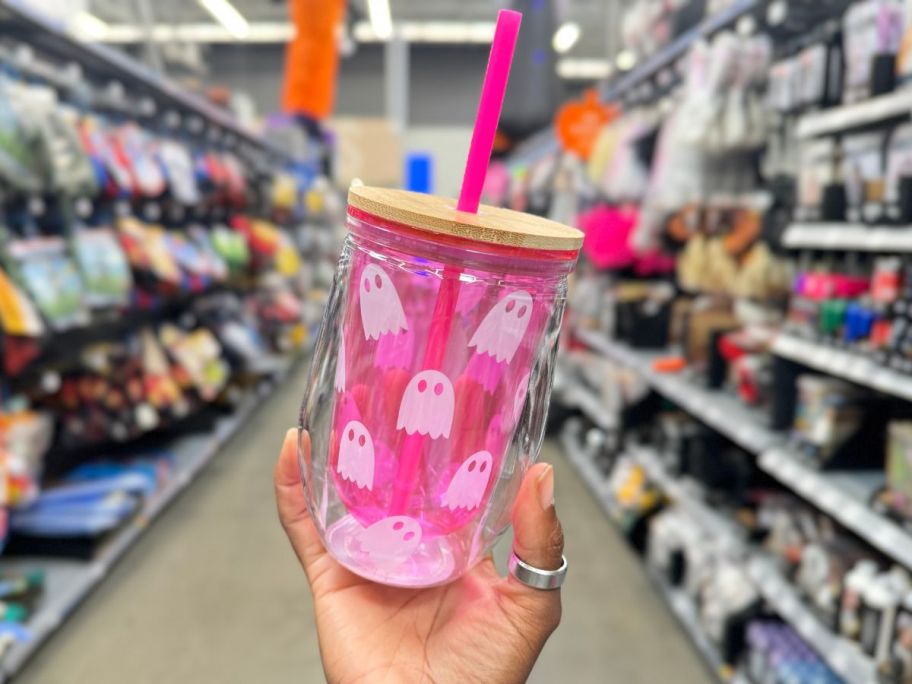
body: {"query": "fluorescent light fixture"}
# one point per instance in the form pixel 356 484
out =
pixel 226 14
pixel 380 18
pixel 584 69
pixel 88 26
pixel 625 60
pixel 481 32
pixel 259 32
pixel 566 37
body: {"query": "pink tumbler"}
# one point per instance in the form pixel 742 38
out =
pixel 430 383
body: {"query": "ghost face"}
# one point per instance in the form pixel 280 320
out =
pixel 381 308
pixel 503 328
pixel 392 539
pixel 339 382
pixel 468 485
pixel 356 455
pixel 427 405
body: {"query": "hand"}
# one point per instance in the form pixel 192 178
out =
pixel 480 628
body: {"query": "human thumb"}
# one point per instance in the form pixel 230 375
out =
pixel 538 539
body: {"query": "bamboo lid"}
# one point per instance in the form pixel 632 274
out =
pixel 491 224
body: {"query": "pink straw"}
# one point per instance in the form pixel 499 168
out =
pixel 489 107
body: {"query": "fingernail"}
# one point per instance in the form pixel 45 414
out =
pixel 546 488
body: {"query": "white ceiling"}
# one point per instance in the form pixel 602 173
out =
pixel 592 15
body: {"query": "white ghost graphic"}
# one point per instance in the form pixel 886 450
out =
pixel 381 308
pixel 519 399
pixel 504 326
pixel 356 455
pixel 470 482
pixel 391 539
pixel 427 405
pixel 339 382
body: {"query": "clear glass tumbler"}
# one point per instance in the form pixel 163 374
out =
pixel 430 382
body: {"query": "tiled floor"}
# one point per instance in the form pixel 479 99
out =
pixel 213 595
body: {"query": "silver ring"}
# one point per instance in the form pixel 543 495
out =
pixel 536 577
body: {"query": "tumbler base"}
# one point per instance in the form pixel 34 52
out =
pixel 432 562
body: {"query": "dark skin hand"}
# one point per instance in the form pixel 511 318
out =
pixel 480 628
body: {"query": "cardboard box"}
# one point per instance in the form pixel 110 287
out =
pixel 369 149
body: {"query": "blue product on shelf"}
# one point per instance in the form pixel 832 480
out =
pixel 153 467
pixel 130 483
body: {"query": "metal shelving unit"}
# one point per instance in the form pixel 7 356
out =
pixel 843 495
pixel 544 142
pixel 676 49
pixel 843 364
pixel 845 658
pixel 22 22
pixel 719 410
pixel 685 611
pixel 678 602
pixel 895 105
pixel 69 582
pixel 855 237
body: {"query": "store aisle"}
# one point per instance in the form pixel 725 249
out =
pixel 213 595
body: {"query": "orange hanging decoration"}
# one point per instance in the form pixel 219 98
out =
pixel 579 123
pixel 312 58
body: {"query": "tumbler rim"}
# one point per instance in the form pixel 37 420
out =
pixel 439 216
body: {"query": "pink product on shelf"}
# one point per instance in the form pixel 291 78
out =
pixel 607 232
pixel 654 263
pixel 428 394
pixel 830 285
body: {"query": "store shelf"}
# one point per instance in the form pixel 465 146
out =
pixel 848 237
pixel 676 49
pixel 894 105
pixel 571 441
pixel 844 496
pixel 720 410
pixel 689 496
pixel 845 658
pixel 683 608
pixel 68 582
pixel 579 396
pixel 842 364
pixel 678 602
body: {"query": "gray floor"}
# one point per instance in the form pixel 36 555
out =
pixel 212 593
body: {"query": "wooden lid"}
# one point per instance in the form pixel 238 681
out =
pixel 491 224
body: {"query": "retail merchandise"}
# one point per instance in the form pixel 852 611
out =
pixel 746 212
pixel 160 267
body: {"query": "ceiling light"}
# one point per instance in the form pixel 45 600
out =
pixel 453 32
pixel 584 69
pixel 380 18
pixel 88 26
pixel 566 37
pixel 226 14
pixel 626 60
